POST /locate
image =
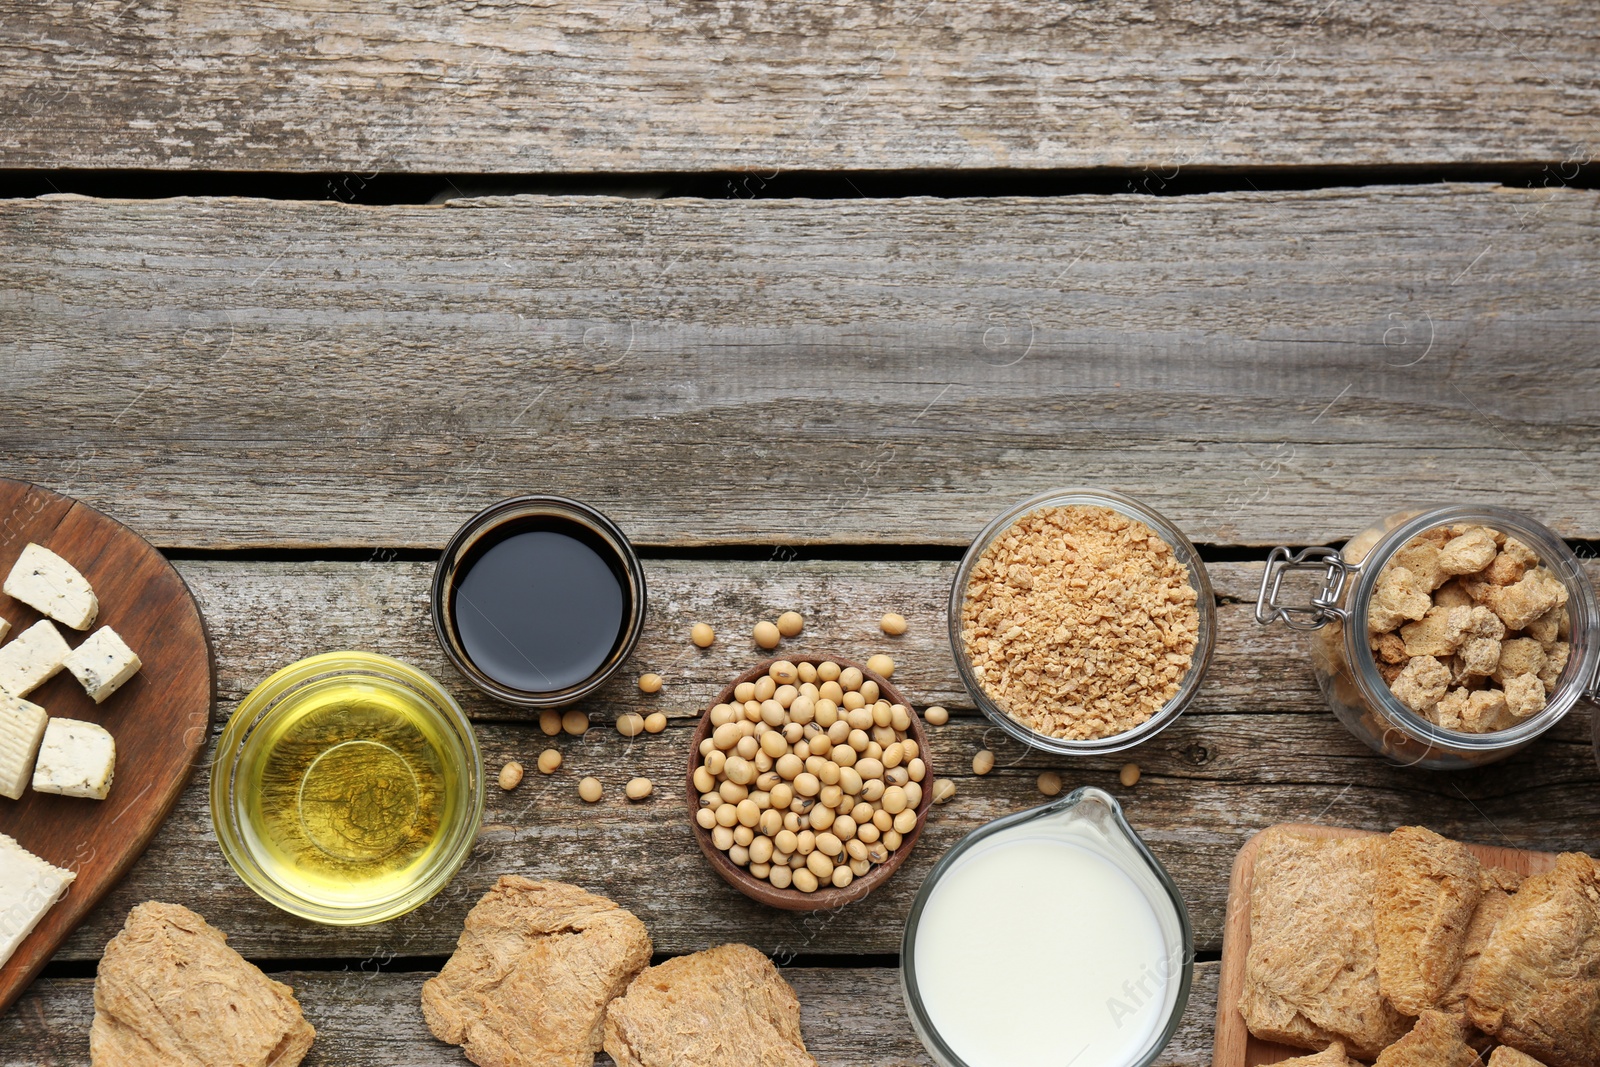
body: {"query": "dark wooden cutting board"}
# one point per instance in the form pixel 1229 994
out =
pixel 159 719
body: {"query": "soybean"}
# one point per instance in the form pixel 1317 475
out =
pixel 790 623
pixel 655 722
pixel 767 635
pixel 1050 784
pixel 983 762
pixel 549 761
pixel 630 724
pixel 639 788
pixel 702 635
pixel 881 664
pixel 589 789
pixel 649 683
pixel 575 723
pixel 892 624
pixel 935 716
pixel 510 776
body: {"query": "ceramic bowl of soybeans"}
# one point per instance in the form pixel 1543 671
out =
pixel 746 837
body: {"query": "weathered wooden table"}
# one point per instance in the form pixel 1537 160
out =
pixel 1383 288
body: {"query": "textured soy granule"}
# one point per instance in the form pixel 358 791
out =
pixel 1080 622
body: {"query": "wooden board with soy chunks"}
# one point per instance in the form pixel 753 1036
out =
pixel 1235 1045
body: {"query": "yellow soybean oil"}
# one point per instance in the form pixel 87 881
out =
pixel 344 794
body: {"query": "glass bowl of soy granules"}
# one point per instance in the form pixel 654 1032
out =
pixel 1082 621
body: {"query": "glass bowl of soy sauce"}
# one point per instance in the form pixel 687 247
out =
pixel 538 600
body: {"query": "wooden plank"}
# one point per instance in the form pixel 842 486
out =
pixel 1263 368
pixel 754 87
pixel 847 1015
pixel 1259 748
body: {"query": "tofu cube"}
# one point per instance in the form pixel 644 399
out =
pixel 29 887
pixel 5 628
pixel 102 663
pixel 76 759
pixel 52 586
pixel 21 729
pixel 32 658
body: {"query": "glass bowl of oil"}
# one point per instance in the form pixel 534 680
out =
pixel 347 788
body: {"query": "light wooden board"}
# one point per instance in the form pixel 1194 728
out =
pixel 1235 1045
pixel 1259 748
pixel 158 719
pixel 758 87
pixel 1262 368
pixel 364 1018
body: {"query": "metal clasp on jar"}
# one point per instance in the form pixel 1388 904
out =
pixel 1323 607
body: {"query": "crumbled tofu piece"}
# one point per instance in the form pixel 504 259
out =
pixel 1524 695
pixel 1389 648
pixel 29 887
pixel 1555 661
pixel 1438 633
pixel 76 759
pixel 1420 685
pixel 1481 622
pixel 21 728
pixel 1519 604
pixel 1451 711
pixel 1487 711
pixel 1479 656
pixel 102 663
pixel 1421 558
pixel 1398 597
pixel 1520 655
pixel 1468 552
pixel 1476 586
pixel 1459 675
pixel 1508 568
pixel 1546 629
pixel 1518 552
pixel 52 586
pixel 32 658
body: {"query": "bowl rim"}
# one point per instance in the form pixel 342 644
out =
pixel 826 897
pixel 1205 606
pixel 512 509
pixel 270 695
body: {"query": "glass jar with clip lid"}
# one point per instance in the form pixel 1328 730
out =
pixel 1428 662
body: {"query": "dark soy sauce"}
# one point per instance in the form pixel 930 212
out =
pixel 541 608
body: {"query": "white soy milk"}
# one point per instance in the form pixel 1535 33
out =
pixel 1036 951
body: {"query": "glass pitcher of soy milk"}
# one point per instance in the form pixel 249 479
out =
pixel 1048 938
